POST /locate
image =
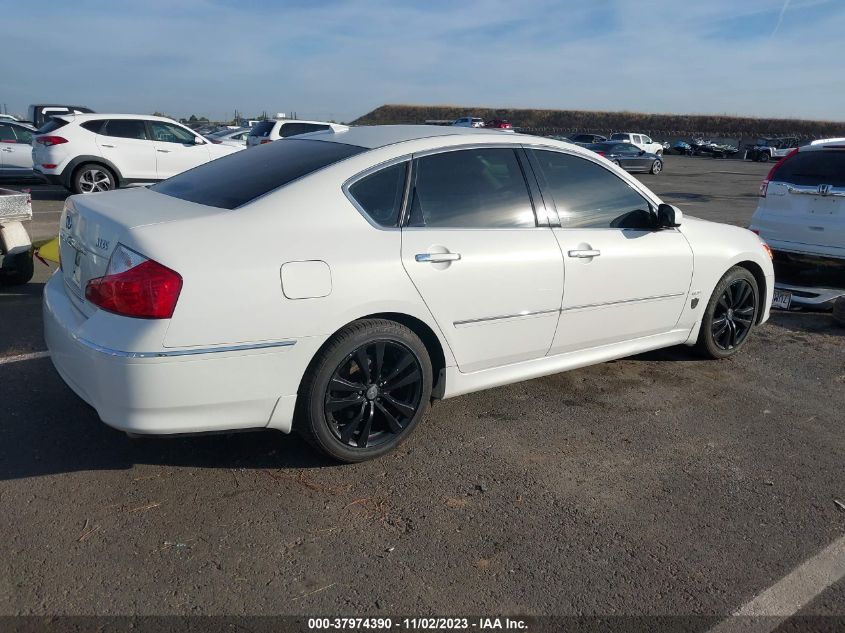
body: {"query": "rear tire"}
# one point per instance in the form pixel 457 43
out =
pixel 365 391
pixel 93 178
pixel 730 315
pixel 17 269
pixel 764 157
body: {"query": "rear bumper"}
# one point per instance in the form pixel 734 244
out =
pixel 809 297
pixel 187 391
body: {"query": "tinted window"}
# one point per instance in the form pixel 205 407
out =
pixel 93 126
pixel 292 129
pixel 624 148
pixel 380 194
pixel 262 128
pixel 125 128
pixel 618 137
pixel 820 167
pixel 587 195
pixel 234 180
pixel 169 133
pixel 478 188
pixel 51 126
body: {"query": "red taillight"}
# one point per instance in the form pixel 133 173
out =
pixel 600 153
pixel 49 141
pixel 764 186
pixel 265 140
pixel 135 286
pixel 49 165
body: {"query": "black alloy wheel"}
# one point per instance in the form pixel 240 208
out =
pixel 734 315
pixel 365 390
pixel 374 394
pixel 730 314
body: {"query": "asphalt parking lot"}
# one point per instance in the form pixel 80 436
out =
pixel 654 485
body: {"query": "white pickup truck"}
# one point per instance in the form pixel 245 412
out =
pixel 640 140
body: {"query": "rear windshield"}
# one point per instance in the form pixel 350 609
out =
pixel 51 126
pixel 618 137
pixel 820 167
pixel 236 179
pixel 262 129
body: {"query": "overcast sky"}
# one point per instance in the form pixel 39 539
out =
pixel 330 59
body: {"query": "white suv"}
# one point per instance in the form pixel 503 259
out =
pixel 269 131
pixel 640 140
pixel 96 152
pixel 801 215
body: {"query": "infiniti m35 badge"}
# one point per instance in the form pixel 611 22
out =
pixel 824 190
pixel 101 243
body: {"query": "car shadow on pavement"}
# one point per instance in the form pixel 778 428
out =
pixel 806 322
pixel 46 429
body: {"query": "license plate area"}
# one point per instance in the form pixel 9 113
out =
pixel 781 299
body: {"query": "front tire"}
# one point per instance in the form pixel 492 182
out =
pixel 656 167
pixel 365 391
pixel 93 178
pixel 730 314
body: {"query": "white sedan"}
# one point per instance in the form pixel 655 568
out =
pixel 339 281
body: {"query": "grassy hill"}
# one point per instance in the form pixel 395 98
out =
pixel 568 121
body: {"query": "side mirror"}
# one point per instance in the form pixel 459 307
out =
pixel 198 141
pixel 669 217
pixel 642 151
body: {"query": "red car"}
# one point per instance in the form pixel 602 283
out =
pixel 500 124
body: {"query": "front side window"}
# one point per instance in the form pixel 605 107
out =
pixel 588 196
pixel 473 188
pixel 646 139
pixel 380 194
pixel 125 128
pixel 169 133
pixel 294 129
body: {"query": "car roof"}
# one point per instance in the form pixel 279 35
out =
pixel 374 136
pixel 88 116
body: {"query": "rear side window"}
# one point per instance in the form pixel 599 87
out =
pixel 820 167
pixel 7 134
pixel 93 126
pixel 239 178
pixel 51 126
pixel 125 128
pixel 588 196
pixel 262 128
pixel 380 194
pixel 293 129
pixel 474 188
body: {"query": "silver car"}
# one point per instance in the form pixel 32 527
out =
pixel 16 149
pixel 235 138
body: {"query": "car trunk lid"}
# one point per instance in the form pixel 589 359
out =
pixel 92 225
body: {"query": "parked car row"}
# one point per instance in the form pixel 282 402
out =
pixel 472 121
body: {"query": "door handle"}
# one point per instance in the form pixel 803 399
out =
pixel 436 258
pixel 584 253
pixel 104 145
pixel 163 151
